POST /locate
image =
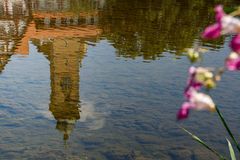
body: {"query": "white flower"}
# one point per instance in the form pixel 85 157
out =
pixel 230 25
pixel 201 101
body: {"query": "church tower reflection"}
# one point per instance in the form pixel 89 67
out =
pixel 59 30
pixel 64 68
pixel 65 56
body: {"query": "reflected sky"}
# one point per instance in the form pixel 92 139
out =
pixel 75 83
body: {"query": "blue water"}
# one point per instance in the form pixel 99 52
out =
pixel 96 99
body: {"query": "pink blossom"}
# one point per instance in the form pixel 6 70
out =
pixel 230 25
pixel 225 24
pixel 197 101
pixel 201 101
pixel 235 44
pixel 184 111
pixel 191 78
pixel 192 84
pixel 197 78
pixel 213 31
pixel 219 12
pixel 232 63
pixel 188 91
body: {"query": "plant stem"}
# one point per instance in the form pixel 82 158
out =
pixel 227 128
pixel 194 137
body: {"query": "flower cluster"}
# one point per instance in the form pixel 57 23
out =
pixel 226 24
pixel 198 77
pixel 204 77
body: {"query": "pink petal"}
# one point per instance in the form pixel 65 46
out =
pixel 219 13
pixel 235 44
pixel 213 31
pixel 201 101
pixel 188 92
pixel 183 111
pixel 192 70
pixel 192 87
pixel 233 64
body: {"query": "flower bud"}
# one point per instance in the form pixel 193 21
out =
pixel 193 56
pixel 219 12
pixel 235 44
pixel 232 63
pixel 213 31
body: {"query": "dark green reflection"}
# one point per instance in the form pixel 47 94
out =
pixel 149 28
pixel 135 28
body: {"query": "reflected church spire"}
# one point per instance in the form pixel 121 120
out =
pixel 64 69
pixel 54 32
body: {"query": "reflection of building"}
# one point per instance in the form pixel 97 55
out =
pixel 65 60
pixel 13 20
pixel 65 55
pixel 56 18
pixel 59 34
pixel 66 12
pixel 13 8
pixel 16 16
pixel 58 29
pixel 3 61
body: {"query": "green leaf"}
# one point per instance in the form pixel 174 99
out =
pixel 194 137
pixel 229 9
pixel 233 157
pixel 227 128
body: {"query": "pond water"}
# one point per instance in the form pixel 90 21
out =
pixel 103 79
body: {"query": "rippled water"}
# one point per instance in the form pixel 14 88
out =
pixel 96 79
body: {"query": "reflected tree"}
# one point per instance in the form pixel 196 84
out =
pixel 149 28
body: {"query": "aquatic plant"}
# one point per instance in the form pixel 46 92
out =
pixel 202 78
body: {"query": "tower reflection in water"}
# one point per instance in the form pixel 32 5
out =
pixel 65 53
pixel 60 35
pixel 64 69
pixel 65 56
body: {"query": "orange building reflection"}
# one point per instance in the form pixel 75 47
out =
pixel 65 58
pixel 58 30
pixel 60 36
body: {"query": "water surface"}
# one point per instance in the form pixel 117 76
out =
pixel 104 79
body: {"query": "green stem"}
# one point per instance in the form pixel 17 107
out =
pixel 194 137
pixel 227 128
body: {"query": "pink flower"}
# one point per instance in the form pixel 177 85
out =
pixel 199 77
pixel 235 44
pixel 225 24
pixel 201 101
pixel 219 13
pixel 197 101
pixel 230 25
pixel 232 63
pixel 192 84
pixel 184 111
pixel 213 31
pixel 188 91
